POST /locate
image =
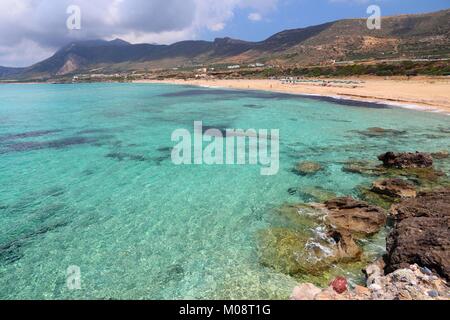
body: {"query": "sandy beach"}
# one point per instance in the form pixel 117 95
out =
pixel 425 93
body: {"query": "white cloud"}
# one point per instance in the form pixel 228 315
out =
pixel 254 16
pixel 354 1
pixel 34 28
pixel 24 53
pixel 217 26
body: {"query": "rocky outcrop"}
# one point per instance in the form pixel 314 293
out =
pixel 406 160
pixel 346 247
pixel 302 244
pixel 440 155
pixel 396 188
pixel 421 233
pixel 365 168
pixel 424 177
pixel 293 252
pixel 307 168
pixel 355 217
pixel 432 204
pixel 411 283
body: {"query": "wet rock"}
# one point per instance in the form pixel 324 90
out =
pixel 347 249
pixel 358 218
pixel 397 188
pixel 409 283
pixel 298 252
pixel 292 252
pixel 424 177
pixel 406 160
pixel 298 216
pixel 440 155
pixel 339 285
pixel 365 168
pixel 377 199
pixel 307 168
pixel 312 194
pixel 421 233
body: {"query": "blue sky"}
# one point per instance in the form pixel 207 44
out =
pixel 290 14
pixel 32 30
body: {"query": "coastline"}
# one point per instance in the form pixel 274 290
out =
pixel 423 94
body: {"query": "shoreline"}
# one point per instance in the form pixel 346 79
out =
pixel 408 94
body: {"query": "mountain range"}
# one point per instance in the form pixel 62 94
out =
pixel 404 36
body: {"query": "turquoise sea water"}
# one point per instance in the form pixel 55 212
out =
pixel 86 179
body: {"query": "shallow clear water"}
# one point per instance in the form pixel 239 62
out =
pixel 86 179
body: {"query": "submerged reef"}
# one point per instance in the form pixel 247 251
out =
pixel 311 240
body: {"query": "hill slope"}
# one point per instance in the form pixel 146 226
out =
pixel 406 36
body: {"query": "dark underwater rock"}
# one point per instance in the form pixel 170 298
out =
pixel 307 168
pixel 406 160
pixel 381 132
pixel 121 156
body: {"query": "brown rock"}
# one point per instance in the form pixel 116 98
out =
pixel 356 217
pixel 307 168
pixel 421 233
pixel 292 252
pixel 305 291
pixel 397 188
pixel 347 250
pixel 427 204
pixel 406 160
pixel 364 168
pixel 362 292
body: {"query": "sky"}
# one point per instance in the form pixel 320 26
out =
pixel 32 30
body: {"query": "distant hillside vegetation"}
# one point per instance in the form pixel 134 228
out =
pixel 406 36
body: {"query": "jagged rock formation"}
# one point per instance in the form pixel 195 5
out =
pixel 421 233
